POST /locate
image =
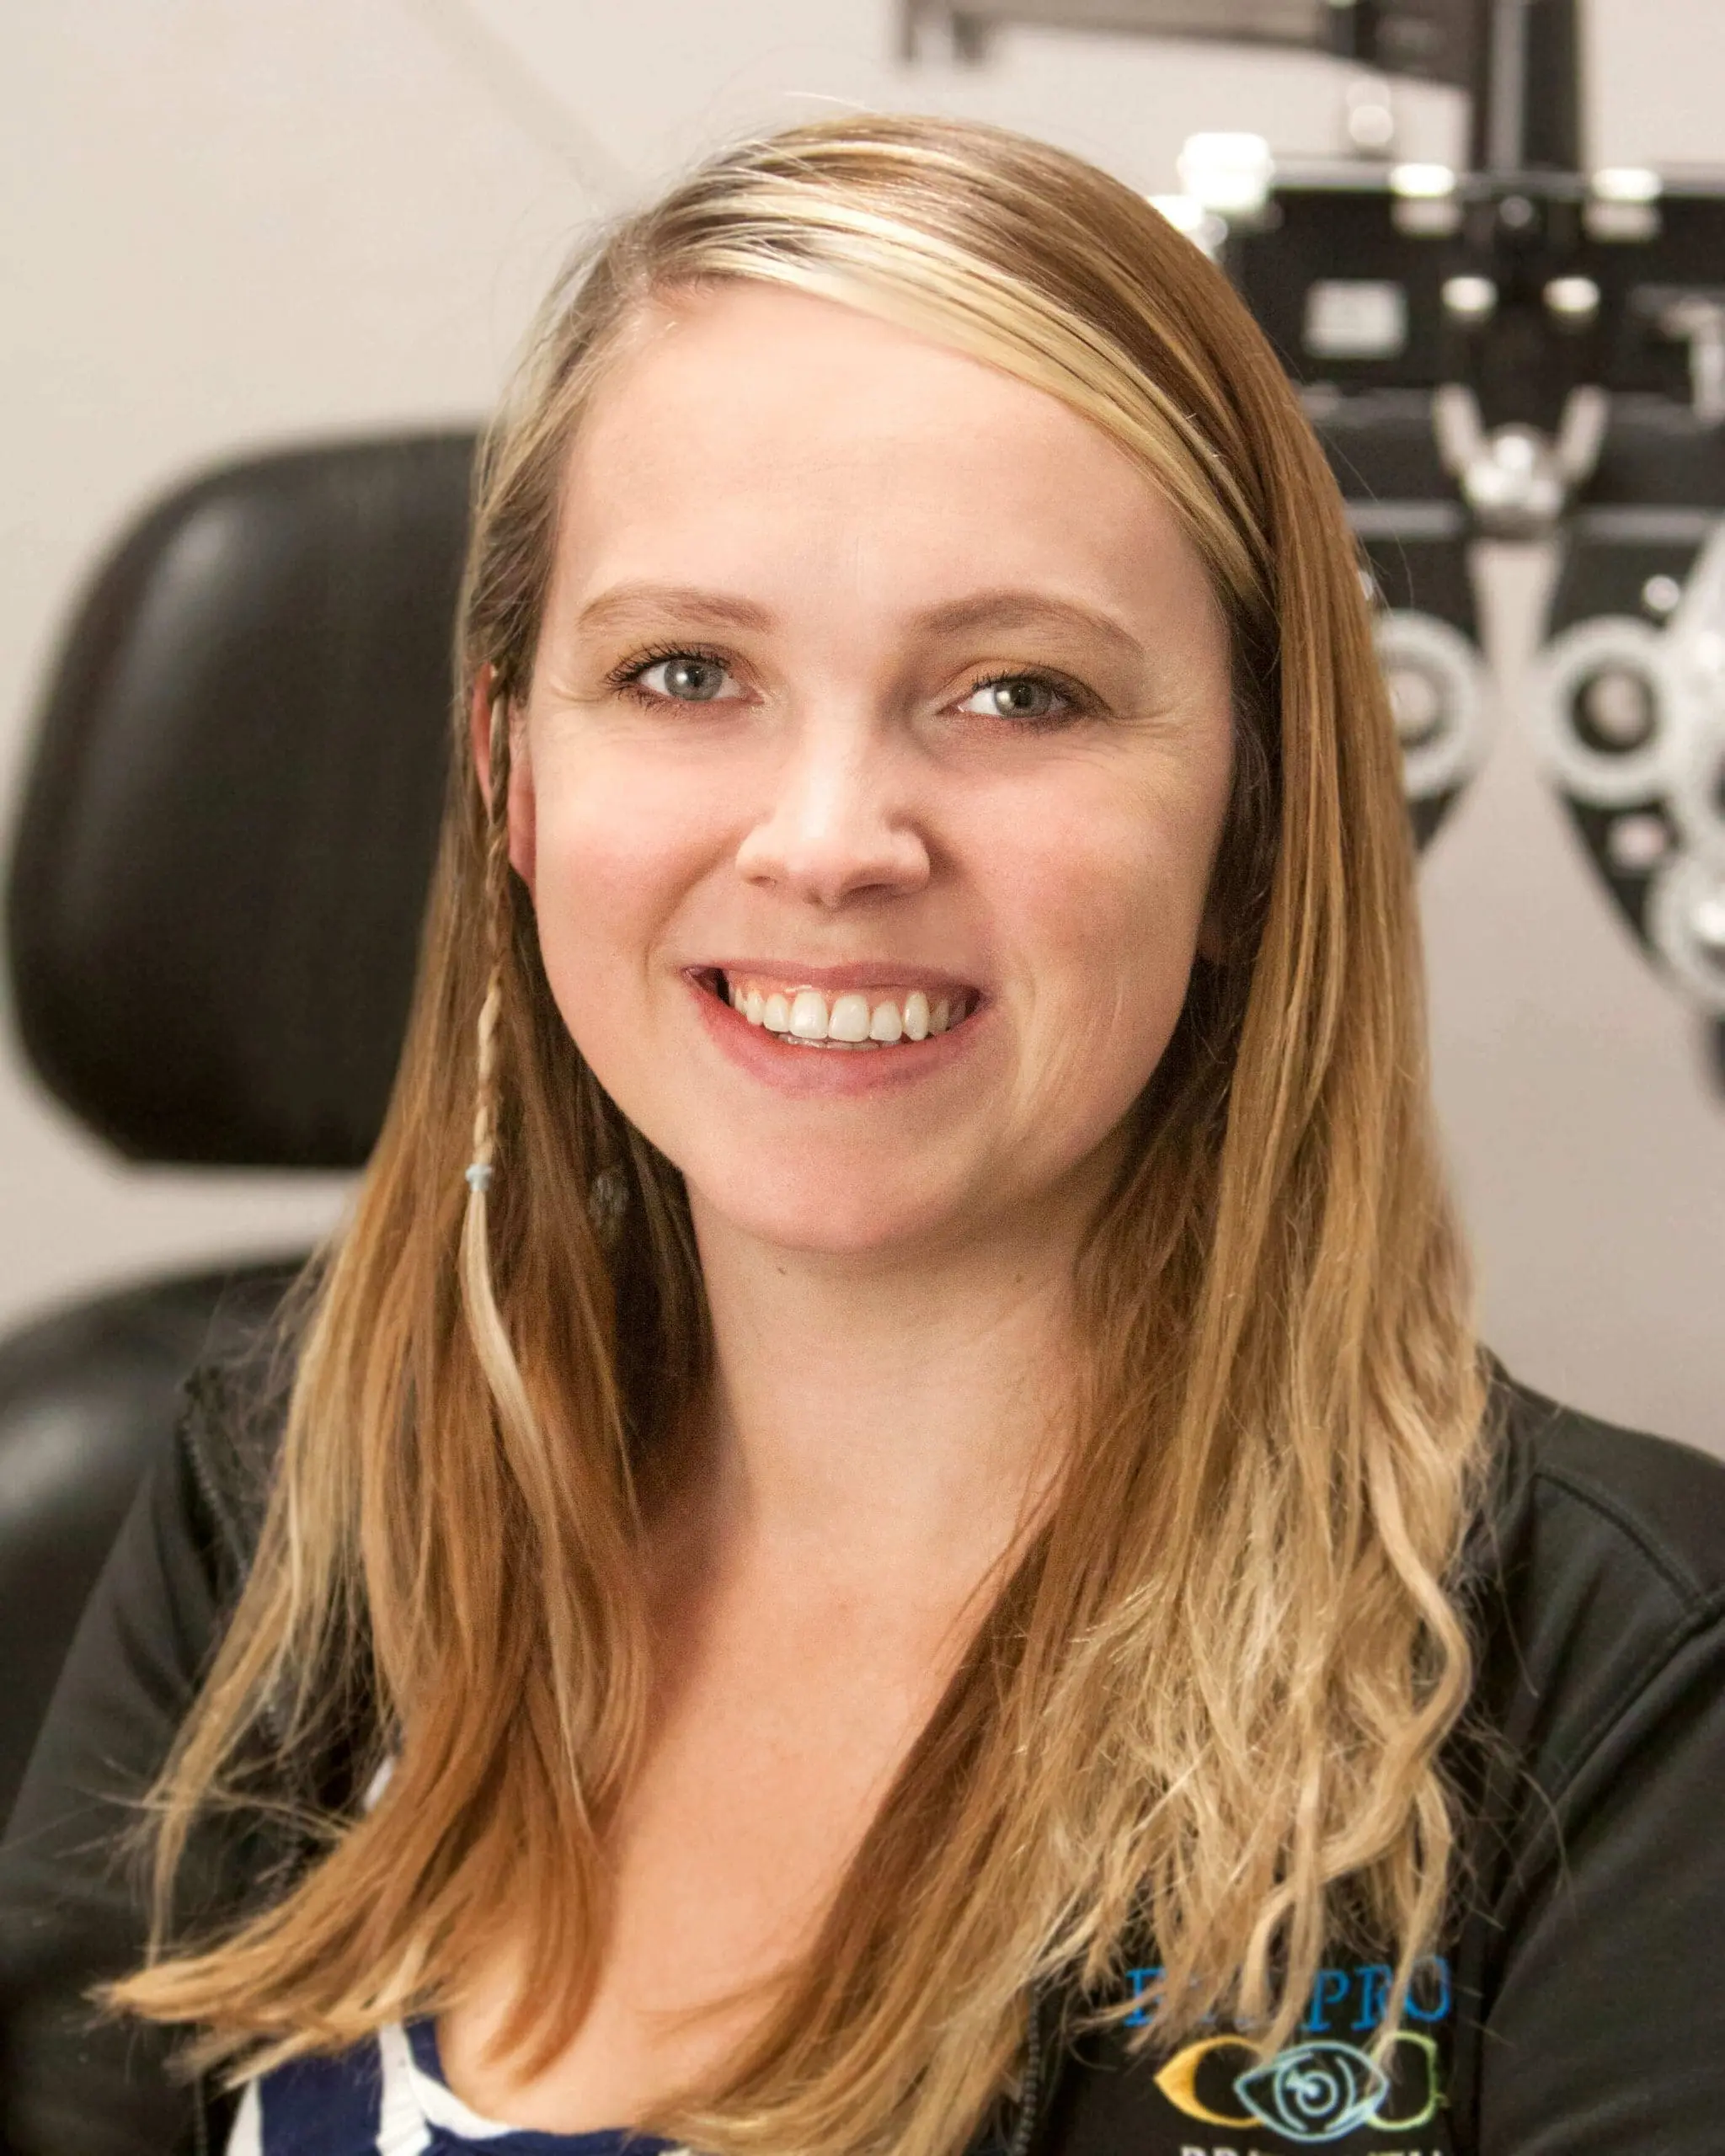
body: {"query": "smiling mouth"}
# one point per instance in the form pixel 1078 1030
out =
pixel 847 1018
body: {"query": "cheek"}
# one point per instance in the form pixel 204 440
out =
pixel 614 855
pixel 1104 894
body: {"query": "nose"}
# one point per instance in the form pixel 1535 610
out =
pixel 842 824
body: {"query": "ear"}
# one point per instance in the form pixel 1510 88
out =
pixel 522 821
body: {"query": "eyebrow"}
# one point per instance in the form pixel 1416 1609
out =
pixel 1027 610
pixel 626 602
pixel 1004 611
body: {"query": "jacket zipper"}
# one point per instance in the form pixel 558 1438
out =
pixel 209 1488
pixel 205 1475
pixel 1024 2128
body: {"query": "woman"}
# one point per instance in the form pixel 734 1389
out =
pixel 889 1532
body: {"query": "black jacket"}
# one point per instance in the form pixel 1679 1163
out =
pixel 1578 2010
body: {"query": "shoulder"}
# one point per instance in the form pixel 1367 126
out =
pixel 1572 1488
pixel 1596 1572
pixel 1592 1893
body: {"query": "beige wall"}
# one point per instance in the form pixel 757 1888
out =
pixel 230 222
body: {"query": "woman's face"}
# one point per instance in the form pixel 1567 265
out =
pixel 871 777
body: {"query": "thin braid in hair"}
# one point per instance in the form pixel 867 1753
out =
pixel 485 1323
pixel 485 1082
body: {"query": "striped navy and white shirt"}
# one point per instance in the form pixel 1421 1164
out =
pixel 387 2097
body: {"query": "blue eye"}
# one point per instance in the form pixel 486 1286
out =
pixel 1028 698
pixel 1315 2092
pixel 686 677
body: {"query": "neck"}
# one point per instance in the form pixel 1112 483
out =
pixel 901 1412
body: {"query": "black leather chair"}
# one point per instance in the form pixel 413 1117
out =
pixel 213 918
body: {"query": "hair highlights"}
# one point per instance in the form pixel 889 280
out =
pixel 1207 1706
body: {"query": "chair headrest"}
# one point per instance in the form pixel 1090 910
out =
pixel 228 830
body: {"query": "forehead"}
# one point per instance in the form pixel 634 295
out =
pixel 745 427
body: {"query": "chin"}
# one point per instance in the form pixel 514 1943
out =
pixel 841 1215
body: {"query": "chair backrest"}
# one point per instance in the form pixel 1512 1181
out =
pixel 228 830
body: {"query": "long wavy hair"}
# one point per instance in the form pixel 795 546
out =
pixel 1206 1705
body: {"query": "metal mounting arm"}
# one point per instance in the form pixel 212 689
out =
pixel 1437 40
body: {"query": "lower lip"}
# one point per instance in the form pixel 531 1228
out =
pixel 831 1071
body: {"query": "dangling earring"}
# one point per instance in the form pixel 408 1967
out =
pixel 607 1201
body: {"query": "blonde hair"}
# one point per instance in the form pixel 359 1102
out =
pixel 1207 1707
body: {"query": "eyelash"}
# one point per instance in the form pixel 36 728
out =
pixel 626 678
pixel 1078 702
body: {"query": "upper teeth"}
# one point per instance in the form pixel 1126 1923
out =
pixel 854 1017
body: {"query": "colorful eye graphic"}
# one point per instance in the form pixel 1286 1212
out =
pixel 1315 2092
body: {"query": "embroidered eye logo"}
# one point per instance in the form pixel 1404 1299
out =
pixel 1316 2092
